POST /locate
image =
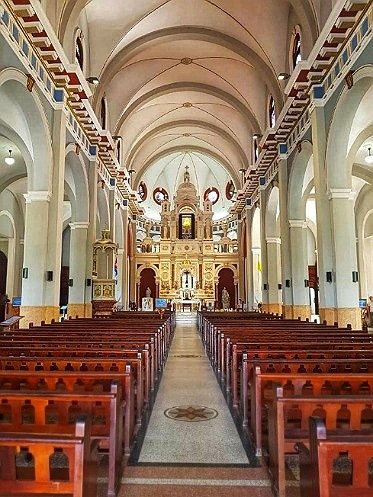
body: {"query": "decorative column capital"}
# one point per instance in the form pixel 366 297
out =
pixel 37 196
pixel 273 239
pixel 79 225
pixel 341 193
pixel 298 223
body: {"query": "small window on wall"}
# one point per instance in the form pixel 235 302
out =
pixel 211 194
pixel 118 150
pixel 271 113
pixel 229 190
pixel 103 113
pixel 79 51
pixel 142 190
pixel 159 195
pixel 296 49
pixel 256 149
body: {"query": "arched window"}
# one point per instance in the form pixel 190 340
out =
pixel 103 113
pixel 296 50
pixel 118 150
pixel 271 113
pixel 256 149
pixel 160 194
pixel 211 194
pixel 229 190
pixel 79 51
pixel 142 190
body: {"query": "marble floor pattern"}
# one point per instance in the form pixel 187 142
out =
pixel 188 380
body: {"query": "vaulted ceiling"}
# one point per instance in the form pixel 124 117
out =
pixel 190 78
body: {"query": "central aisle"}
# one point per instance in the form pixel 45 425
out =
pixel 190 422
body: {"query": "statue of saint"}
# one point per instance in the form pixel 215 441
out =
pixel 225 299
pixel 148 292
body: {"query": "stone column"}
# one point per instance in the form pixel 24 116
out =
pixel 119 277
pixel 11 268
pixel 35 257
pixel 257 275
pixel 241 293
pixel 132 263
pixel 325 256
pixel 55 221
pixel 91 234
pixel 78 257
pixel 263 251
pixel 18 266
pixel 125 263
pixel 347 291
pixel 249 261
pixel 299 266
pixel 367 284
pixel 274 274
pixel 112 202
pixel 287 295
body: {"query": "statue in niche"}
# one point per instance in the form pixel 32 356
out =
pixel 148 292
pixel 225 299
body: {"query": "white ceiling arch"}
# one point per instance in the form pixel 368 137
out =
pixel 166 170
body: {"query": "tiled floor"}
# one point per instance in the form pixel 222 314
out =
pixel 156 481
pixel 190 451
pixel 188 380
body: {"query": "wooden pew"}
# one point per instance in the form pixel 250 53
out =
pixel 57 359
pixel 288 424
pixel 327 455
pixel 81 382
pixel 296 384
pixel 238 374
pixel 79 359
pixel 26 463
pixel 55 412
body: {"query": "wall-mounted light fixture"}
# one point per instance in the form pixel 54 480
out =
pixel 9 159
pixel 283 76
pixel 368 159
pixel 93 80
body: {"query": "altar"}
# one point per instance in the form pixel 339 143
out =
pixel 183 305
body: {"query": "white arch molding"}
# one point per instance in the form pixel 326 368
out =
pixel 39 156
pixel 11 255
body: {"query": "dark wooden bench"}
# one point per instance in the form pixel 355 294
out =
pixel 238 374
pixel 288 424
pixel 298 384
pixel 27 463
pixel 335 466
pixel 55 412
pixel 55 358
pixel 79 382
pixel 11 323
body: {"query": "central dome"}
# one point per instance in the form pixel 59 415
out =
pixel 190 174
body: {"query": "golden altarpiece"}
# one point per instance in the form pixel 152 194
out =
pixel 186 260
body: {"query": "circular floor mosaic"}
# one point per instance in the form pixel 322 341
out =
pixel 191 413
